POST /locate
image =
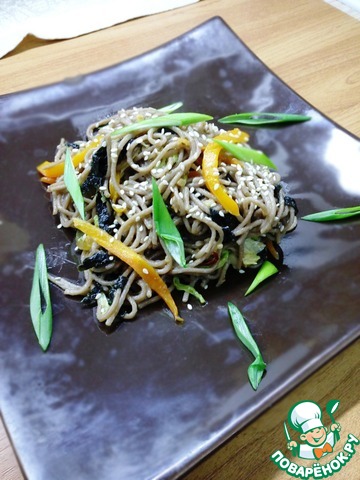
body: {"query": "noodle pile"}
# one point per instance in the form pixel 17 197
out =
pixel 116 181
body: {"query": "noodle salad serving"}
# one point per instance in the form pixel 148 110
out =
pixel 163 201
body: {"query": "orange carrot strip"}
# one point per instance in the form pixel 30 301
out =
pixel 137 262
pixel 54 170
pixel 210 169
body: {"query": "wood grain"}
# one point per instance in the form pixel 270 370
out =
pixel 309 44
pixel 315 49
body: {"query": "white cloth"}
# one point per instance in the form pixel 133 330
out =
pixel 56 19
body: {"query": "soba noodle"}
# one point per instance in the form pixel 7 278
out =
pixel 116 176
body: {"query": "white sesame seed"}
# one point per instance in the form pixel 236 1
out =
pixel 216 186
pixel 145 271
pixel 189 306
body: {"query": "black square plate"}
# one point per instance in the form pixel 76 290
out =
pixel 151 399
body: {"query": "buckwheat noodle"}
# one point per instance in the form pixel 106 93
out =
pixel 121 185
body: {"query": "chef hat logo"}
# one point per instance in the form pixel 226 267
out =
pixel 304 416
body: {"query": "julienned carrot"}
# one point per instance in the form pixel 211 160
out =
pixel 137 262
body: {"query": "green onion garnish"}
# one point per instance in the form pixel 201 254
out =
pixel 172 107
pixel 170 120
pixel 246 154
pixel 166 228
pixel 266 270
pixel 333 215
pixel 40 302
pixel 72 184
pixel 264 118
pixel 224 258
pixel 257 368
pixel 189 289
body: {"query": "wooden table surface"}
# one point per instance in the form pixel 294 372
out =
pixel 312 46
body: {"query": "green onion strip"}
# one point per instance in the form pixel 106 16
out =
pixel 188 289
pixel 333 215
pixel 72 184
pixel 246 154
pixel 257 368
pixel 266 270
pixel 166 228
pixel 169 120
pixel 40 301
pixel 264 118
pixel 172 107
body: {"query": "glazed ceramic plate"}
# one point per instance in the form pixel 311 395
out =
pixel 153 398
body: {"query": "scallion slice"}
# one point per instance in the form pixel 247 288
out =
pixel 246 154
pixel 166 228
pixel 72 184
pixel 333 215
pixel 172 107
pixel 266 270
pixel 257 368
pixel 40 301
pixel 189 289
pixel 169 120
pixel 264 118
